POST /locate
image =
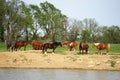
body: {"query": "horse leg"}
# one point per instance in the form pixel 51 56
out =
pixel 45 51
pixel 86 51
pixel 69 48
pixel 24 48
pixel 80 51
pixel 75 48
pixel 98 51
pixel 53 51
pixel 12 49
pixel 19 48
pixel 107 51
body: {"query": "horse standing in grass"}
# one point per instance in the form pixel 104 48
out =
pixel 53 46
pixel 101 46
pixel 83 47
pixel 70 45
pixel 19 44
pixel 37 45
pixel 10 45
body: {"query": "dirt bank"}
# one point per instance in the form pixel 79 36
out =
pixel 35 59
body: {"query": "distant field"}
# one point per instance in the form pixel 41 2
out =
pixel 114 49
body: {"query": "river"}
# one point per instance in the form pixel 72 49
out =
pixel 57 74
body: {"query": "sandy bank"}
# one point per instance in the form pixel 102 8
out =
pixel 35 59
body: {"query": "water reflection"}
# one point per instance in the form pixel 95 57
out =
pixel 57 74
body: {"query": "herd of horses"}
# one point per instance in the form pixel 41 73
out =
pixel 71 45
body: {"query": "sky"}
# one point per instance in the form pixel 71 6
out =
pixel 105 12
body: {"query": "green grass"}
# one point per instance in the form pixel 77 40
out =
pixel 114 49
pixel 2 46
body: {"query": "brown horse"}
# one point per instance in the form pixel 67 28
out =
pixel 53 46
pixel 70 45
pixel 82 47
pixel 101 46
pixel 37 45
pixel 19 44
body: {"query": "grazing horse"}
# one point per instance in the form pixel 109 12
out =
pixel 37 45
pixel 19 44
pixel 53 46
pixel 101 46
pixel 70 45
pixel 83 46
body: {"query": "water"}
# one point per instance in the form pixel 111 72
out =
pixel 57 74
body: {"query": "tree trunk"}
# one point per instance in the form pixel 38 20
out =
pixel 1 31
pixel 9 33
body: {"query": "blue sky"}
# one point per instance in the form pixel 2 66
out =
pixel 106 12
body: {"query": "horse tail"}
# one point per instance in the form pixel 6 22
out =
pixel 108 46
pixel 43 48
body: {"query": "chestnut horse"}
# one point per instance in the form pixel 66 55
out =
pixel 83 46
pixel 53 46
pixel 19 44
pixel 70 45
pixel 37 45
pixel 101 46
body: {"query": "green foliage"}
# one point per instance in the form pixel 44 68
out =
pixel 112 63
pixel 86 36
pixel 111 34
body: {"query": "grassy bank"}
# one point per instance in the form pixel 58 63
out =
pixel 114 49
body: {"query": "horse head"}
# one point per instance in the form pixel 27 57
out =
pixel 58 43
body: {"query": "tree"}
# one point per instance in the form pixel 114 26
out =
pixel 74 29
pixel 2 15
pixel 92 26
pixel 51 21
pixel 12 18
pixel 85 36
pixel 28 20
pixel 111 34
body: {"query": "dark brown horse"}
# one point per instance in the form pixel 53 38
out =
pixel 19 44
pixel 10 44
pixel 53 46
pixel 101 46
pixel 70 45
pixel 83 47
pixel 37 45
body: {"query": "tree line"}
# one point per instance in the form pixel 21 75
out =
pixel 19 21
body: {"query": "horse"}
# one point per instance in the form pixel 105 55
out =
pixel 101 46
pixel 70 45
pixel 37 45
pixel 19 44
pixel 53 46
pixel 10 45
pixel 83 46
